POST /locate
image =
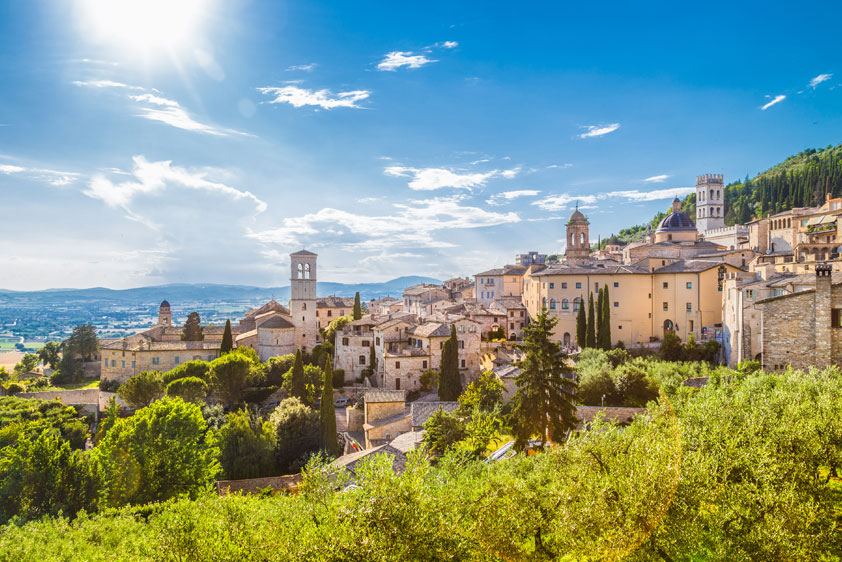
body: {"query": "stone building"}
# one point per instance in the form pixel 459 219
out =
pixel 270 330
pixel 802 329
pixel 420 299
pixel 386 416
pixel 330 308
pixel 385 305
pixel 506 281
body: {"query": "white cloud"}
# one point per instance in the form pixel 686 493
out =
pixel 425 179
pixel 107 84
pixel 300 97
pixel 303 67
pixel 151 178
pixel 397 59
pixel 55 178
pixel 598 131
pixel 448 44
pixel 819 79
pixel 409 225
pixel 9 169
pixel 657 179
pixel 563 201
pixel 501 198
pixel 777 99
pixel 635 195
pixel 562 166
pixel 155 100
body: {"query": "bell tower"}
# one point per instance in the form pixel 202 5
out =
pixel 578 239
pixel 164 314
pixel 302 299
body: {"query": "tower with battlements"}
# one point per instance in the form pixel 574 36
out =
pixel 302 299
pixel 710 202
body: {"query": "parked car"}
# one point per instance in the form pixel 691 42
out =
pixel 341 402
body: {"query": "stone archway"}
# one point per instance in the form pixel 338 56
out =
pixel 668 326
pixel 566 338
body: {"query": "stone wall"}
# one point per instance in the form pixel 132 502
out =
pixel 88 399
pixel 255 485
pixel 354 419
pixel 789 331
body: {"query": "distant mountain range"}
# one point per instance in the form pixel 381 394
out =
pixel 198 292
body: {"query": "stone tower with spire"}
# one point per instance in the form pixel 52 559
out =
pixel 578 239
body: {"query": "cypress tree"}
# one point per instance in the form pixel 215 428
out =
pixel 358 309
pixel 581 325
pixel 227 339
pixel 327 413
pixel 598 322
pixel 591 335
pixel 450 383
pixel 605 329
pixel 544 403
pixel 299 385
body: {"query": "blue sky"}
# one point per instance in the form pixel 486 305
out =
pixel 203 141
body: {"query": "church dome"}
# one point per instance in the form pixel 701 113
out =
pixel 577 216
pixel 164 304
pixel 676 221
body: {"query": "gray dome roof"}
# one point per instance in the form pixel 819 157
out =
pixel 677 220
pixel 164 304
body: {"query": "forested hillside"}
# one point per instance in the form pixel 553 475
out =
pixel 802 180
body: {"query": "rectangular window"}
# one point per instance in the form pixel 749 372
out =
pixel 176 359
pixel 106 362
pixel 552 285
pixel 362 359
pixel 564 285
pixel 123 365
pixel 397 364
pixel 689 284
pixel 132 364
pixel 461 344
pixel 329 313
pixel 616 304
pixel 666 306
pixel 423 364
pixel 691 325
pixel 616 284
pixel 377 341
pixel 835 317
pixel 344 341
pixel 578 285
pixel 596 287
pixel 366 343
pixel 689 307
pixel 463 363
pixel 666 285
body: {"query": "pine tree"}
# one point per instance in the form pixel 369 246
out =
pixel 327 413
pixel 544 403
pixel 358 309
pixel 192 328
pixel 605 328
pixel 581 326
pixel 227 339
pixel 298 387
pixel 590 338
pixel 450 381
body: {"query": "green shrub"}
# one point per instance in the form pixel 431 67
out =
pixel 197 369
pixel 189 389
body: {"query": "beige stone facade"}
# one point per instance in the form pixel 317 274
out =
pixel 802 329
pixel 330 308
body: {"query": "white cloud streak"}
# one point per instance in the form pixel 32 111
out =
pixel 151 178
pixel 819 79
pixel 506 196
pixel 301 97
pixel 657 179
pixel 107 84
pixel 302 67
pixel 777 99
pixel 397 59
pixel 426 179
pixel 409 225
pixel 599 130
pixel 563 201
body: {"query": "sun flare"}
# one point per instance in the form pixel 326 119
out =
pixel 143 26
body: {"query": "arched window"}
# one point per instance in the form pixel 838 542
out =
pixel 307 271
pixel 717 194
pixel 582 239
pixel 711 194
pixel 300 271
pixel 577 302
pixel 544 302
pixel 303 306
pixel 571 241
pixel 552 304
pixel 565 304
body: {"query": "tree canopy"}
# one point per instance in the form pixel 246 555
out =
pixel 193 328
